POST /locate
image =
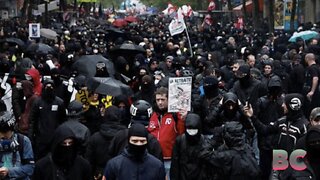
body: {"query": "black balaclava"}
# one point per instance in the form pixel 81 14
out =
pixel 294 103
pixel 243 74
pixel 210 87
pixel 139 130
pixel 55 76
pixel 230 98
pixel 193 128
pixel 313 149
pixel 63 156
pixel 274 87
pixel 48 94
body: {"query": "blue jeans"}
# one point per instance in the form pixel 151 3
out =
pixel 167 165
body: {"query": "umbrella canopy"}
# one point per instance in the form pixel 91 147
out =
pixel 48 33
pixel 129 48
pixel 14 41
pixel 119 23
pixel 108 86
pixel 305 35
pixel 86 65
pixel 39 48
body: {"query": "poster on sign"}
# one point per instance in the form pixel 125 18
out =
pixel 179 94
pixel 34 30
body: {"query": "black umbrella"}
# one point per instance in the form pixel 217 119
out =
pixel 108 86
pixel 40 48
pixel 14 41
pixel 128 48
pixel 86 65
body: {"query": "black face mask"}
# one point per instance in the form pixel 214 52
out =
pixel 245 81
pixel 193 139
pixel 64 156
pixel 137 151
pixel 48 94
pixel 211 91
pixel 145 87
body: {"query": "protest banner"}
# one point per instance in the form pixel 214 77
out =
pixel 179 94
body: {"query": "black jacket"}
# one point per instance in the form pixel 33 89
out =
pixel 185 165
pixel 125 167
pixel 234 160
pixel 98 144
pixel 44 118
pixel 47 168
pixel 120 141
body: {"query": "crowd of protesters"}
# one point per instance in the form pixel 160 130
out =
pixel 252 92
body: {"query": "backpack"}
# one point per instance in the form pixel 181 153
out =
pixel 20 149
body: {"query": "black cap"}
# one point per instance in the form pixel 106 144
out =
pixel 243 71
pixel 75 108
pixel 138 130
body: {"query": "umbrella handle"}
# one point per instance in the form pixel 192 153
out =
pixel 3 83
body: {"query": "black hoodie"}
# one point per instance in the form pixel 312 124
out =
pixel 61 163
pixel 99 142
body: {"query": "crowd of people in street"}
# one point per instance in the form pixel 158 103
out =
pixel 92 103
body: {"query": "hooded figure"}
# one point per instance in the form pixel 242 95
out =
pixel 48 92
pixel 34 76
pixel 99 142
pixel 230 106
pixel 185 164
pixel 235 159
pixel 122 102
pixel 63 162
pixel 294 103
pixel 294 124
pixel 210 87
pixel 135 162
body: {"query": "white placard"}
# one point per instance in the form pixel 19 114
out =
pixel 34 30
pixel 179 94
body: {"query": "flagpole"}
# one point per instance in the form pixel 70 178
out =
pixel 188 40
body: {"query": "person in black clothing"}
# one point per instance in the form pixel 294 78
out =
pixel 99 142
pixel 140 113
pixel 269 110
pixel 63 162
pixel 246 87
pixel 314 120
pixel 47 113
pixel 185 165
pixel 311 86
pixel 147 90
pixel 122 102
pixel 311 160
pixel 135 162
pixel 208 104
pixel 296 75
pixel 234 160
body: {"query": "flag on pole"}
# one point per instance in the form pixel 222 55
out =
pixel 169 10
pixel 177 25
pixel 187 11
pixel 212 5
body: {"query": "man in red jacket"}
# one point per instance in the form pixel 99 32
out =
pixel 166 126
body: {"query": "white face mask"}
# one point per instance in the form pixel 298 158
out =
pixel 28 77
pixel 156 81
pixel 192 132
